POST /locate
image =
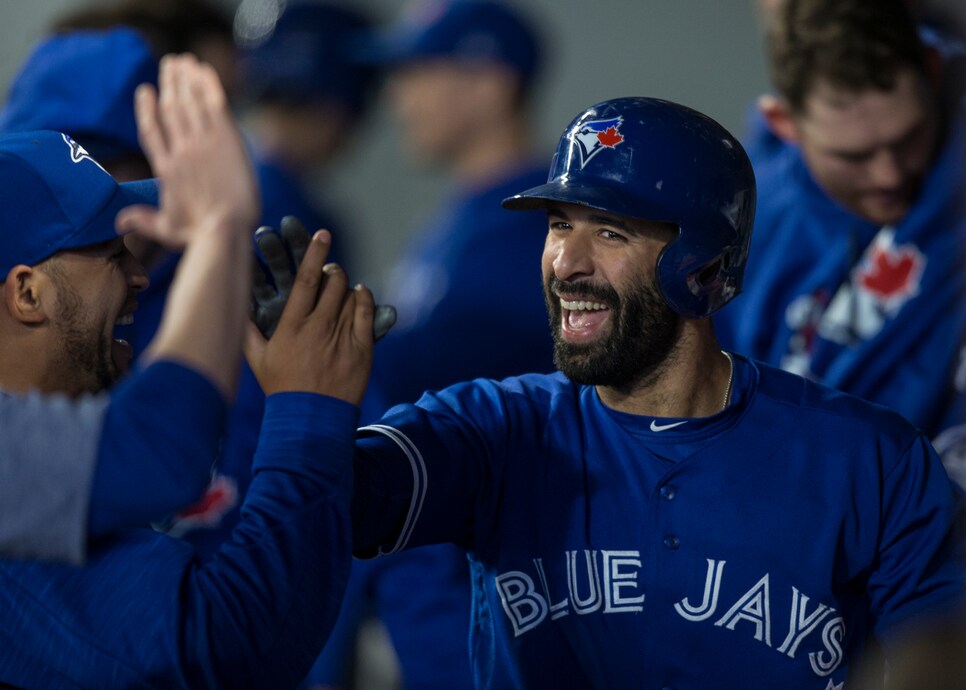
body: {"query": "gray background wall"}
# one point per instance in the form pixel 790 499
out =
pixel 704 53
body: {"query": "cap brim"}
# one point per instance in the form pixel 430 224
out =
pixel 546 195
pixel 101 228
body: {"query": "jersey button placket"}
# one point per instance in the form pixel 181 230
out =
pixel 672 542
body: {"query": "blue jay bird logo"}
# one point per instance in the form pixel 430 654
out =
pixel 596 135
pixel 78 152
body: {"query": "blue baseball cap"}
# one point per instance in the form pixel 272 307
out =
pixel 473 31
pixel 309 52
pixel 82 83
pixel 56 197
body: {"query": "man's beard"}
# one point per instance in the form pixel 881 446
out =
pixel 89 365
pixel 643 334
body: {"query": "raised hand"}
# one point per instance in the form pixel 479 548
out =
pixel 281 254
pixel 195 149
pixel 323 339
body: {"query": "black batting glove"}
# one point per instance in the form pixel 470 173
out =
pixel 280 256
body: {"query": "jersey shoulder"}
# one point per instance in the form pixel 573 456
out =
pixel 829 410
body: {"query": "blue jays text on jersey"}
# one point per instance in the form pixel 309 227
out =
pixel 759 547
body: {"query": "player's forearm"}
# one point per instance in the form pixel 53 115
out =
pixel 261 608
pixel 207 305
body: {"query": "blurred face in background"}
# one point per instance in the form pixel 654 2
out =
pixel 870 150
pixel 442 106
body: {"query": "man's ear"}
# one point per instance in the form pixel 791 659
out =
pixel 778 116
pixel 22 294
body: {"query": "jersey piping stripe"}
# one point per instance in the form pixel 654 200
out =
pixel 420 478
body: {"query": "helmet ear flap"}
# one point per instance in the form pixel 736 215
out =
pixel 696 291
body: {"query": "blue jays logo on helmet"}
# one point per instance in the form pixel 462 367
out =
pixel 78 152
pixel 593 137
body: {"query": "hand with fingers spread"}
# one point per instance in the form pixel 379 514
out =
pixel 323 341
pixel 195 149
pixel 209 204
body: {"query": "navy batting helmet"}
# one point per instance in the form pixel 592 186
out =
pixel 651 159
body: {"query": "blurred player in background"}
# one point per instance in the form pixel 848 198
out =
pixel 462 75
pixel 460 78
pixel 858 280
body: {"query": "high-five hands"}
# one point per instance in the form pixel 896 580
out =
pixel 323 339
pixel 282 253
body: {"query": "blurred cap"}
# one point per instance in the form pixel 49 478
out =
pixel 302 51
pixel 474 31
pixel 82 83
pixel 57 197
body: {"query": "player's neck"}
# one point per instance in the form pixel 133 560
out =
pixel 692 382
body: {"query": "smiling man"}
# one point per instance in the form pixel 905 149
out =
pixel 858 277
pixel 660 512
pixel 144 610
pixel 70 280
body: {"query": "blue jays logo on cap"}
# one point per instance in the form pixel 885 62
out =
pixel 79 153
pixel 594 136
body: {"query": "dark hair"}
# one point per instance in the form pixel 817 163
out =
pixel 851 44
pixel 170 26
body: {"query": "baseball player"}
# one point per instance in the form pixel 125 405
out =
pixel 144 611
pixel 660 513
pixel 858 280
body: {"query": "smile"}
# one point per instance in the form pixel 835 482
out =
pixel 578 305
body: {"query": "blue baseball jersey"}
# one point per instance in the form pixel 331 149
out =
pixel 758 547
pixel 146 612
pixel 875 311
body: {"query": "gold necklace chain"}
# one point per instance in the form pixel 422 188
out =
pixel 731 380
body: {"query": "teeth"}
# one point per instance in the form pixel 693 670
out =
pixel 125 320
pixel 582 306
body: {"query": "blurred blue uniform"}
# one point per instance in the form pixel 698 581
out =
pixel 877 312
pixel 758 547
pixel 468 296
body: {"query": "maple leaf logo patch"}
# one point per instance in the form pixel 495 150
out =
pixel 590 138
pixel 891 273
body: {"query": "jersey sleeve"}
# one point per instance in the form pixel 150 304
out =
pixel 425 472
pixel 146 611
pixel 257 614
pixel 160 439
pixel 920 570
pixel 45 477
